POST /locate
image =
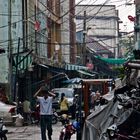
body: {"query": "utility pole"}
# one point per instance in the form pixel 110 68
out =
pixel 16 73
pixel 137 31
pixel 117 52
pixel 10 48
pixel 84 40
pixel 79 117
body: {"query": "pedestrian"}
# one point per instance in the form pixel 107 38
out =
pixel 44 97
pixel 93 100
pixel 74 106
pixel 98 95
pixel 3 96
pixel 26 110
pixel 64 106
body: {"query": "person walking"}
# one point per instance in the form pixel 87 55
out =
pixel 26 111
pixel 93 100
pixel 64 106
pixel 74 106
pixel 44 97
pixel 98 95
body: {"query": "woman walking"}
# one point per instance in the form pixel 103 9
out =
pixel 64 106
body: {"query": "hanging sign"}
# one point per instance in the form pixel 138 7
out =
pixel 37 25
pixel 131 18
pixel 90 66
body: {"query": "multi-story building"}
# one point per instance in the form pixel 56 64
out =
pixel 23 36
pixel 10 31
pixel 101 24
pixel 34 32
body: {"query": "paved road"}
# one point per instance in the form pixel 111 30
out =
pixel 32 132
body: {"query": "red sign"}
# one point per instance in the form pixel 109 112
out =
pixel 131 18
pixel 37 25
pixel 90 66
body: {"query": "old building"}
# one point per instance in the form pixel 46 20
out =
pixel 101 22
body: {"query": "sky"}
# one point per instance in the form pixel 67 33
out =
pixel 124 11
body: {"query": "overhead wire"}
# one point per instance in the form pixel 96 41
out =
pixel 31 16
pixel 84 8
pixel 87 42
pixel 99 39
pixel 99 12
pixel 2 42
pixel 39 13
pixel 102 11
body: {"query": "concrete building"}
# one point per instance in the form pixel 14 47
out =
pixel 34 32
pixel 20 40
pixel 101 24
pixel 10 31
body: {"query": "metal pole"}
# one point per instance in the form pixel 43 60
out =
pixel 84 39
pixel 117 48
pixel 10 48
pixel 136 51
pixel 16 73
pixel 35 7
pixel 23 23
pixel 79 116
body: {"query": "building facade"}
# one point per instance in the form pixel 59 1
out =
pixel 68 31
pixel 34 32
pixel 101 24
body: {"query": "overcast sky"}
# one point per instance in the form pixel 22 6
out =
pixel 124 11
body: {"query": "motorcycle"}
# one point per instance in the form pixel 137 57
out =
pixel 68 130
pixel 114 134
pixel 3 130
pixel 35 115
pixel 64 118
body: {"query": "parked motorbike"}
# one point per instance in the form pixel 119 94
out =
pixel 114 134
pixel 35 115
pixel 64 118
pixel 68 130
pixel 3 130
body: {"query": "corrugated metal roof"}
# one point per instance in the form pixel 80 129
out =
pixel 95 46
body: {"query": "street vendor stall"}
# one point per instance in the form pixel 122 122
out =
pixel 103 85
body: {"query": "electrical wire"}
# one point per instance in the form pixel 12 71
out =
pixel 98 12
pixel 32 35
pixel 30 17
pixel 84 8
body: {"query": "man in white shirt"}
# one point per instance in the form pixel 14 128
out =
pixel 45 101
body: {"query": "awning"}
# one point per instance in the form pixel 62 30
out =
pixel 113 60
pixel 75 67
pixel 86 73
pixel 73 80
pixel 52 69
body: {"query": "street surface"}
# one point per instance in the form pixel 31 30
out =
pixel 32 132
